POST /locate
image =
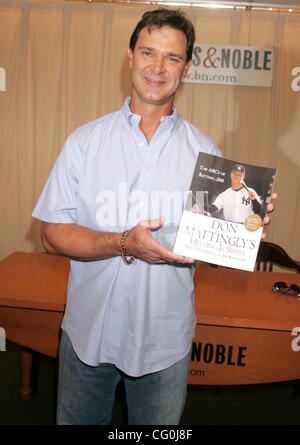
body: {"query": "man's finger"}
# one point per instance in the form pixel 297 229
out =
pixel 152 224
pixel 270 206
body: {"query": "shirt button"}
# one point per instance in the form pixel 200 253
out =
pixel 131 298
pixel 142 144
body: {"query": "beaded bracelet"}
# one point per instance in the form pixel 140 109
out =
pixel 123 248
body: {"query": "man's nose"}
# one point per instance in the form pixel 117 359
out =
pixel 158 64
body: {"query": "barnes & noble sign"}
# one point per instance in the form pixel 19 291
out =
pixel 231 65
pixel 222 355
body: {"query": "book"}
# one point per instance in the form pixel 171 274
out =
pixel 222 220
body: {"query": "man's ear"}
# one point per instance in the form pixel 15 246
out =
pixel 186 68
pixel 130 57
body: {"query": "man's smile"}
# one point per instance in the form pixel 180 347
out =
pixel 154 82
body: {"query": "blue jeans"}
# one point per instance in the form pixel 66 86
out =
pixel 86 393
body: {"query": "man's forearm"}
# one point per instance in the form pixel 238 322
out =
pixel 256 206
pixel 79 242
pixel 86 245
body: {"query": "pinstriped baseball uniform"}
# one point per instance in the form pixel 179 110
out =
pixel 236 204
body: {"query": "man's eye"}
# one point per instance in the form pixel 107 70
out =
pixel 147 53
pixel 173 59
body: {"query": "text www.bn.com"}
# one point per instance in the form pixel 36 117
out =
pixel 200 77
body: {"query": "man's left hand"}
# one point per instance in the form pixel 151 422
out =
pixel 270 209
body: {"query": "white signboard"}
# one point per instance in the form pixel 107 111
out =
pixel 231 65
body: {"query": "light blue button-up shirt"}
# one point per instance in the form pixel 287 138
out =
pixel 139 317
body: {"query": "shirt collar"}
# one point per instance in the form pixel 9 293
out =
pixel 131 117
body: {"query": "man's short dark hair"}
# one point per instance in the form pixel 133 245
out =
pixel 166 17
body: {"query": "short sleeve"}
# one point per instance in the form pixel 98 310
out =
pixel 58 201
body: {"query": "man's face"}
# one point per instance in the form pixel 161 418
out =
pixel 158 64
pixel 236 178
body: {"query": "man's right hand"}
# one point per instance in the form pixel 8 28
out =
pixel 141 244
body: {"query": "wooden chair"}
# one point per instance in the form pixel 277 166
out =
pixel 270 254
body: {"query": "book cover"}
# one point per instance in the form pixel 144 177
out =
pixel 222 221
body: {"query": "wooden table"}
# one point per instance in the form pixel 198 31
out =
pixel 32 302
pixel 243 332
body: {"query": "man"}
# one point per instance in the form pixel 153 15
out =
pixel 129 310
pixel 238 201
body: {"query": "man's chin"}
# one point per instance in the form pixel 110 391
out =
pixel 156 99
